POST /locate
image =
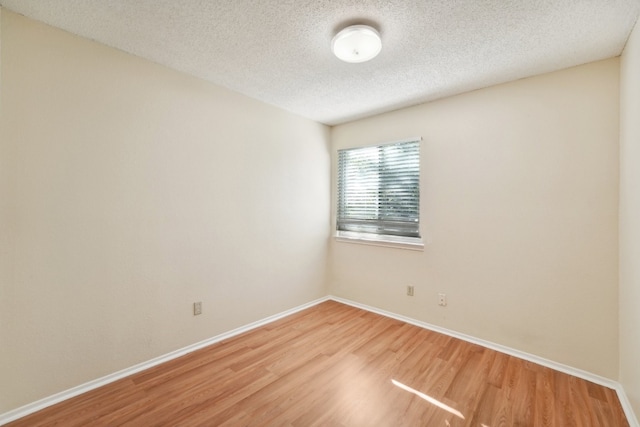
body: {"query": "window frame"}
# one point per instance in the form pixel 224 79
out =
pixel 386 240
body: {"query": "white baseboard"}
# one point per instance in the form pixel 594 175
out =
pixel 30 408
pixel 597 379
pixel 626 405
pixel 91 385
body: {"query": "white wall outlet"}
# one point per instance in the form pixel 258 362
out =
pixel 442 299
pixel 410 290
pixel 197 308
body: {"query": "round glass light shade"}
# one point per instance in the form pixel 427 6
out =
pixel 357 43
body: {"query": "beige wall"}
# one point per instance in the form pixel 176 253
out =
pixel 630 220
pixel 519 198
pixel 129 191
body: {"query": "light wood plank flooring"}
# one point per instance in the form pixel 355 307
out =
pixel 335 365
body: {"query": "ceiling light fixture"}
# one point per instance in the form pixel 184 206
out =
pixel 357 43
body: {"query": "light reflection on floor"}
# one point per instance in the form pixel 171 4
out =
pixel 428 398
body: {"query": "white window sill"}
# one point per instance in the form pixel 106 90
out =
pixel 410 243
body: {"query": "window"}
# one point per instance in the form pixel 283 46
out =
pixel 379 193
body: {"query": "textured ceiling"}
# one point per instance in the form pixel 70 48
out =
pixel 279 51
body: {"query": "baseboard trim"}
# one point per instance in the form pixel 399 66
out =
pixel 30 408
pixel 597 379
pixel 626 406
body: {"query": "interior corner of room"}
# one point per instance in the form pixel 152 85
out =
pixel 129 191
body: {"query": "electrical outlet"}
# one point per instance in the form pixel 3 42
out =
pixel 442 299
pixel 410 291
pixel 197 308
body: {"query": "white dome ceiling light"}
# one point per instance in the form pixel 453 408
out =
pixel 357 43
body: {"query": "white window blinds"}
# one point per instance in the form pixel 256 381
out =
pixel 379 189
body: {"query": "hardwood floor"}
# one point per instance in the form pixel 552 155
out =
pixel 335 365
